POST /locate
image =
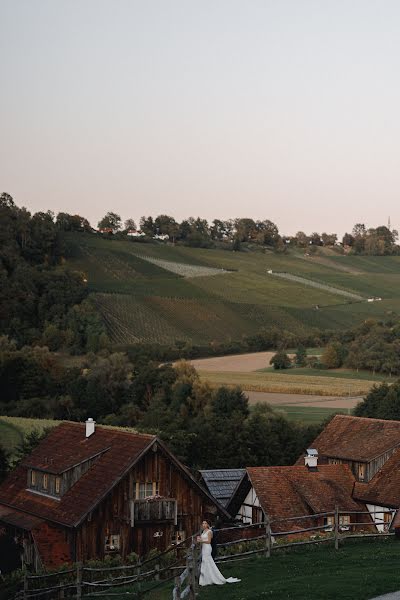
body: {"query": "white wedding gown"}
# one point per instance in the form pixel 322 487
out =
pixel 209 572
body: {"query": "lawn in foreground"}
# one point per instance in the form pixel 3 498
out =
pixel 359 570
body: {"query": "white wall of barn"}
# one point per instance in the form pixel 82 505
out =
pixel 245 513
pixel 378 513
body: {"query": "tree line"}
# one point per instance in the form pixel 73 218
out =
pixel 198 232
pixel 234 233
pixel 42 302
pixel 372 346
pixel 205 427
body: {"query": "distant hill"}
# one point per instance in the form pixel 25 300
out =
pixel 157 293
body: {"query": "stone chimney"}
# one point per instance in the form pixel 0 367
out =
pixel 311 459
pixel 90 427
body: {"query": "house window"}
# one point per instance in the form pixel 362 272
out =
pixel 33 478
pixel 144 490
pixel 257 515
pixel 178 536
pixel 45 481
pixel 329 521
pixel 57 485
pixel 361 471
pixel 387 519
pixel 335 461
pixel 344 520
pixel 112 543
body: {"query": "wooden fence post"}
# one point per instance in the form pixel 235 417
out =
pixel 178 588
pixel 195 569
pixel 336 527
pixel 78 580
pixel 267 538
pixel 26 583
pixel 191 574
pixel 139 585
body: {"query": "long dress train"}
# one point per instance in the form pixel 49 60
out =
pixel 209 572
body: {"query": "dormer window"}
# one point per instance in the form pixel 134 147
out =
pixel 57 485
pixel 33 478
pixel 45 481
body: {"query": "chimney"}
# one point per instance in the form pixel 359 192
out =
pixel 90 427
pixel 311 459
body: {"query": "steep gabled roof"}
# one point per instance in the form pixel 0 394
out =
pixel 115 451
pixel 67 445
pixel 356 438
pixel 222 483
pixel 384 487
pixel 298 491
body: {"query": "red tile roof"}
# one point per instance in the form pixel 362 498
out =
pixel 19 519
pixel 67 445
pixel 356 438
pixel 297 491
pixel 384 487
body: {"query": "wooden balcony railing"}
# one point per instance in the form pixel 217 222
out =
pixel 155 510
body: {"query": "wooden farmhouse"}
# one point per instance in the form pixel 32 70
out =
pixel 87 492
pixel 230 488
pixel 370 447
pixel 382 494
pixel 279 493
pixel 363 444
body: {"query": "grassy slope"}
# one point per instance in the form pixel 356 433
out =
pixel 140 301
pixel 13 429
pixel 359 570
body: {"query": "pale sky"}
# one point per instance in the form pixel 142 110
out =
pixel 286 109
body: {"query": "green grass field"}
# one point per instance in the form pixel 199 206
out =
pixel 308 415
pixel 161 293
pixel 13 429
pixel 336 373
pixel 359 570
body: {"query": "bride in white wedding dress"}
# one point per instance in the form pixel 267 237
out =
pixel 209 572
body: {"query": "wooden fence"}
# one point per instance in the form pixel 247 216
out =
pixel 181 563
pixel 131 581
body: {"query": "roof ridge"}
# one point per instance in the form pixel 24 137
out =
pixel 219 470
pixel 354 417
pixel 112 428
pixel 302 466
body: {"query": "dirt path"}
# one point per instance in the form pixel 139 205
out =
pixel 303 400
pixel 245 363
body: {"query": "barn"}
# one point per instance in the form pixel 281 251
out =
pixel 89 492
